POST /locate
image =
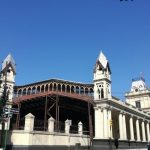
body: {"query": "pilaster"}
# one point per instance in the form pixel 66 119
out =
pixel 99 123
pixel 105 123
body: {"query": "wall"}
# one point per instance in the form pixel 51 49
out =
pixel 21 138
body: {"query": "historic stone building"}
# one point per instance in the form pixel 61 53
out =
pixel 139 96
pixel 60 114
pixel 122 122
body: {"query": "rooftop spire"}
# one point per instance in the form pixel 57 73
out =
pixel 9 61
pixel 102 59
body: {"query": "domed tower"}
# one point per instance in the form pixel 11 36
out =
pixel 139 95
pixel 7 76
pixel 102 78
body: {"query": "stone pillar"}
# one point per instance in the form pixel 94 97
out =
pixel 124 127
pixel 98 123
pixel 105 123
pixel 109 125
pixel 143 131
pixel 80 128
pixel 137 130
pixel 120 126
pixel 29 122
pixel 51 121
pixel 67 126
pixel 131 129
pixel 148 134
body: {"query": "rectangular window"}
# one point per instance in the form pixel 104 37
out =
pixel 138 104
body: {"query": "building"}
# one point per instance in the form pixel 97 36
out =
pixel 139 96
pixel 60 114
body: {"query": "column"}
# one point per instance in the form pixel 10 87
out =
pixel 105 123
pixel 29 122
pixel 143 131
pixel 137 130
pixel 109 125
pixel 131 129
pixel 124 127
pixel 98 123
pixel 148 134
pixel 120 126
pixel 51 121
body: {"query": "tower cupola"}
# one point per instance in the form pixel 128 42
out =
pixel 102 78
pixel 7 75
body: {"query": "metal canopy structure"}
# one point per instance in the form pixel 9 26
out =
pixel 57 104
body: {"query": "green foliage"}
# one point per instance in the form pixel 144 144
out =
pixel 3 99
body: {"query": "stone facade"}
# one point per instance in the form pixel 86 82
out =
pixel 115 120
pixel 139 95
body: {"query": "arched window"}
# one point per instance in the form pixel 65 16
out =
pixel 86 91
pixel 68 89
pixel 51 87
pixel 38 89
pixel 54 86
pixel 59 87
pixel 19 92
pixel 72 89
pixel 42 88
pixel 63 88
pixel 24 92
pixel 33 90
pixel 77 90
pixel 29 91
pixel 82 90
pixel 102 93
pixel 91 92
pixel 46 88
pixel 98 91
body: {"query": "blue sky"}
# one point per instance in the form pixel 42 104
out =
pixel 63 38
